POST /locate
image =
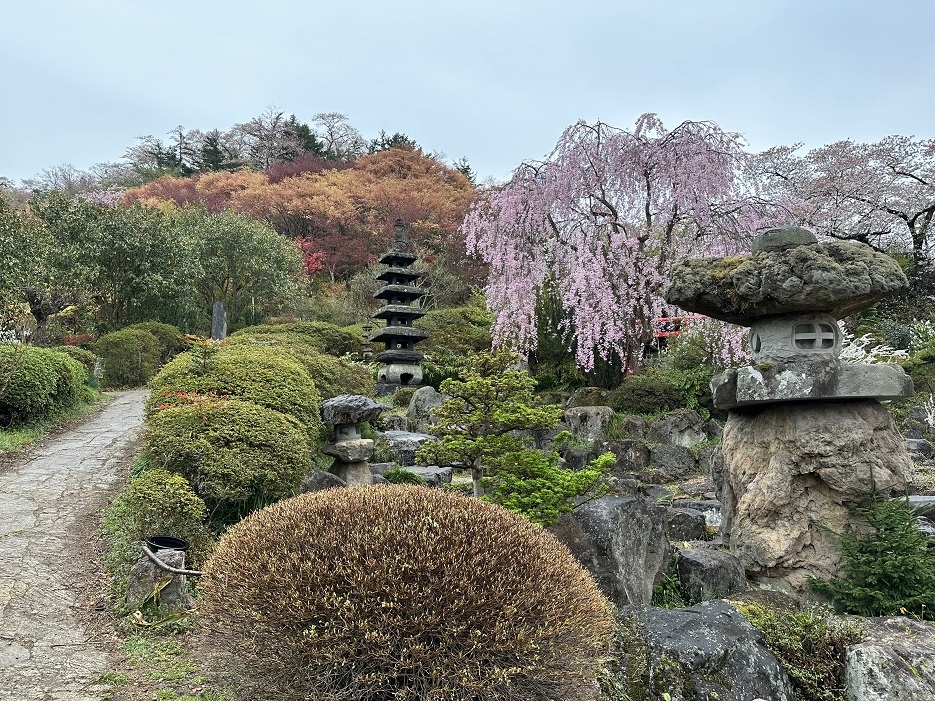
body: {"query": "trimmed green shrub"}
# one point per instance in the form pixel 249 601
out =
pixel 156 502
pixel 37 382
pixel 887 572
pixel 463 330
pixel 238 456
pixel 87 359
pixel 270 379
pixel 131 357
pixel 171 341
pixel 399 475
pixel 439 597
pixel 402 397
pixel 326 337
pixel 649 393
pixel 331 375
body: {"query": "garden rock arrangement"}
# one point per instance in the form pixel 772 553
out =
pixel 797 456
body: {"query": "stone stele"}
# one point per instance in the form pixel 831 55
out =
pixel 838 278
pixel 793 473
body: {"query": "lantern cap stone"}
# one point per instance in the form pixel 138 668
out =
pixel 837 278
pixel 350 409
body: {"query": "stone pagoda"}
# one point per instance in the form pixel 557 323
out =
pixel 806 438
pixel 400 360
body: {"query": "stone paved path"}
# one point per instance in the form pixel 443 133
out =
pixel 46 653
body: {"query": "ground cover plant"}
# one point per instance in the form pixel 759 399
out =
pixel 440 597
pixel 810 644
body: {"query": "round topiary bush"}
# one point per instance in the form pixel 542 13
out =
pixel 131 357
pixel 326 337
pixel 36 382
pixel 170 339
pixel 270 379
pixel 648 393
pixel 238 456
pixel 85 357
pixel 404 593
pixel 332 375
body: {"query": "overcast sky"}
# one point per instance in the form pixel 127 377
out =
pixel 494 81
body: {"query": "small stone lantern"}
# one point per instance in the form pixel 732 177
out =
pixel 351 452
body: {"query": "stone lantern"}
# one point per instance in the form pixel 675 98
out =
pixel 806 438
pixel 352 453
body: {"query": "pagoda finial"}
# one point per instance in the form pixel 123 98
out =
pixel 401 232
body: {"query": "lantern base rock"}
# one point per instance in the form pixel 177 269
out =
pixel 792 475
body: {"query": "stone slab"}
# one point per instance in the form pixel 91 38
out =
pixel 803 380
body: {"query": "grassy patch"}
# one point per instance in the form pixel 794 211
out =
pixel 160 668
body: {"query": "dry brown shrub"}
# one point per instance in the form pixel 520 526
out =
pixel 398 592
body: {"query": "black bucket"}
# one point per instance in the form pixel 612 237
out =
pixel 164 542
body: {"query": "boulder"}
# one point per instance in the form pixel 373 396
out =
pixel 632 425
pixel 588 423
pixel 422 406
pixel 920 446
pixel 393 422
pixel 792 474
pixel 621 541
pixel 631 456
pixel 707 651
pixel 588 396
pixel 923 505
pixel 317 480
pixel 674 461
pixel 706 573
pixel 685 524
pixel 145 575
pixel 402 445
pixel 896 660
pixel 682 427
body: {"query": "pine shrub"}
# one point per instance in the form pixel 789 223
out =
pixel 37 382
pixel 131 357
pixel 888 571
pixel 405 593
pixel 238 456
pixel 272 380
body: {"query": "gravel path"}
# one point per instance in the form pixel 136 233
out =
pixel 47 502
